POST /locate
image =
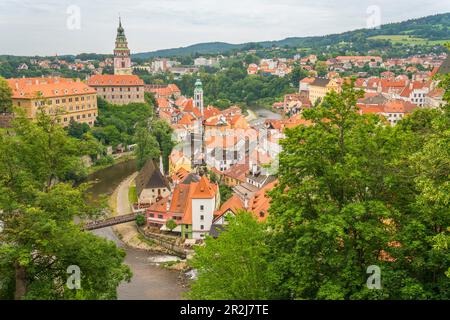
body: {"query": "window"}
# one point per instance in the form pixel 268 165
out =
pixel 202 207
pixel 202 217
pixel 151 215
pixel 261 214
pixel 160 216
pixel 202 227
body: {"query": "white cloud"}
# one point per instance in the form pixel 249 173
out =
pixel 39 27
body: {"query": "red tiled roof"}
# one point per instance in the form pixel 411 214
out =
pixel 26 88
pixel 203 189
pixel 108 80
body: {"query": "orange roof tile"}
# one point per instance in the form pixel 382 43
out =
pixel 233 204
pixel 114 80
pixel 204 189
pixel 26 88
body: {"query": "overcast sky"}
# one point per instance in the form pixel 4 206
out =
pixel 35 27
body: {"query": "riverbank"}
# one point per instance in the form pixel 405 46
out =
pixel 120 205
pixel 150 281
pixel 129 234
pixel 116 160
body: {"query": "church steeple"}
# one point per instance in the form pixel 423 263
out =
pixel 122 61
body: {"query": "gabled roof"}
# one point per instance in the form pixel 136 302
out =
pixel 260 203
pixel 150 178
pixel 237 171
pixel 233 204
pixel 186 119
pixel 204 189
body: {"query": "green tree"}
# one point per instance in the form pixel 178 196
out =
pixel 77 129
pixel 140 220
pixel 163 134
pixel 225 192
pixel 38 205
pixel 171 224
pixel 5 96
pixel 297 74
pixel 321 68
pixel 233 266
pixel 147 147
pixel 352 193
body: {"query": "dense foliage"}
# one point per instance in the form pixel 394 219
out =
pixel 39 240
pixel 116 124
pixel 352 193
pixel 234 266
pixel 233 86
pixel 147 147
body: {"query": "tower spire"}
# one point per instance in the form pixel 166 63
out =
pixel 122 61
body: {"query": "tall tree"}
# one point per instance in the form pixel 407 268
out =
pixel 353 193
pixel 235 265
pixel 147 146
pixel 38 205
pixel 163 134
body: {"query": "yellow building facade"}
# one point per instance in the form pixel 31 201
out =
pixel 319 88
pixel 64 99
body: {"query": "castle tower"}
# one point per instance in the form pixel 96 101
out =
pixel 198 96
pixel 122 60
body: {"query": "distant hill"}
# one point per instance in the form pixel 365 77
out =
pixel 430 30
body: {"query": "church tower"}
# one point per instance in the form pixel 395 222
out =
pixel 198 95
pixel 122 60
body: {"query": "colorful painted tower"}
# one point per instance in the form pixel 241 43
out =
pixel 122 60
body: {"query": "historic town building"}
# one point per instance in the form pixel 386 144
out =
pixel 118 89
pixel 122 60
pixel 65 99
pixel 123 87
